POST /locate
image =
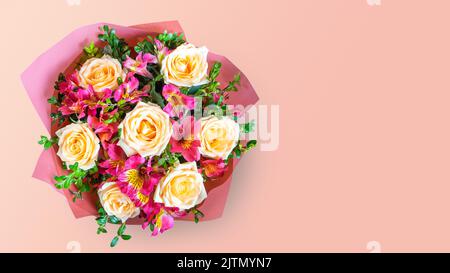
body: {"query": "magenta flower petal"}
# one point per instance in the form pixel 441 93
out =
pixel 115 152
pixel 118 93
pixel 148 58
pixel 134 161
pixel 139 66
pixel 166 223
pixel 170 90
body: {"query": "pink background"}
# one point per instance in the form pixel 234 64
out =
pixel 364 150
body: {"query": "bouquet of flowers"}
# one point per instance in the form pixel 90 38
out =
pixel 141 128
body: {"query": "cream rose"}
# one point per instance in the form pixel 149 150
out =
pixel 186 66
pixel 116 203
pixel 218 136
pixel 101 73
pixel 78 144
pixel 146 130
pixel 182 187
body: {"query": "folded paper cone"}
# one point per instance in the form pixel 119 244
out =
pixel 38 80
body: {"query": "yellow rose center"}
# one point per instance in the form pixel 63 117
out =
pixel 76 145
pixel 146 130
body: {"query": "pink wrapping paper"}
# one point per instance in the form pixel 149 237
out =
pixel 38 80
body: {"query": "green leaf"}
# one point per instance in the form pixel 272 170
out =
pixel 161 161
pixel 197 212
pixel 101 230
pixel 59 178
pixel 171 40
pixel 101 211
pixel 101 221
pixel 93 170
pixel 247 127
pixel 126 237
pixel 53 100
pixel 215 71
pixel 61 78
pixel 193 90
pixel 220 101
pixel 113 220
pixel 75 177
pixel 250 144
pixel 57 117
pixel 113 119
pixel 116 47
pixel 121 230
pixel 237 152
pixel 146 46
pixel 157 98
pixel 114 241
pixel 83 187
pixel 91 50
pixel 46 142
pixel 74 167
pixel 232 85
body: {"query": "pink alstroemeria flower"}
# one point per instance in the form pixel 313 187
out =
pixel 162 50
pixel 69 84
pixel 161 218
pixel 137 181
pixel 130 175
pixel 163 222
pixel 177 101
pixel 139 66
pixel 128 90
pixel 213 167
pixel 184 139
pixel 78 100
pixel 105 131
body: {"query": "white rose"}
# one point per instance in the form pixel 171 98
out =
pixel 78 144
pixel 101 73
pixel 181 188
pixel 146 130
pixel 116 203
pixel 186 66
pixel 218 136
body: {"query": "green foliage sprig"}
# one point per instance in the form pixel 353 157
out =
pixel 167 158
pixel 197 214
pixel 48 142
pixel 171 40
pixel 75 177
pixel 103 219
pixel 213 86
pixel 247 127
pixel 61 78
pixel 120 235
pixel 146 46
pixel 155 96
pixel 240 149
pixel 116 47
pixel 91 50
pixel 231 87
pixel 57 117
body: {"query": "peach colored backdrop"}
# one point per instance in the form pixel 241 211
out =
pixel 364 155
